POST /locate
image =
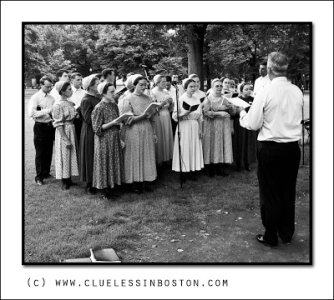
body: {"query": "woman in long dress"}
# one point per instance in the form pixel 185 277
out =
pixel 108 158
pixel 164 146
pixel 190 116
pixel 88 103
pixel 139 152
pixel 217 136
pixel 244 140
pixel 64 113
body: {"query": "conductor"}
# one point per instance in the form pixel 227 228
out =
pixel 277 113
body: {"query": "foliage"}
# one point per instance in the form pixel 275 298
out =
pixel 230 48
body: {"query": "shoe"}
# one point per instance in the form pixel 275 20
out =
pixel 247 168
pixel 71 183
pixel 91 190
pixel 39 182
pixel 286 242
pixel 192 177
pixel 148 189
pixel 47 176
pixel 260 239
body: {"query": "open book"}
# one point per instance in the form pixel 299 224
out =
pixel 124 117
pixel 238 102
pixel 152 108
pixel 187 106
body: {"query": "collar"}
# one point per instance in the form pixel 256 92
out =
pixel 280 79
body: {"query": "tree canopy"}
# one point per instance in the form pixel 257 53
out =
pixel 209 50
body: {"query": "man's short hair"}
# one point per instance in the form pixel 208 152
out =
pixel 61 72
pixel 263 63
pixel 107 72
pixel 45 78
pixel 278 63
pixel 75 74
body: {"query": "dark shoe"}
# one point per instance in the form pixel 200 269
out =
pixel 286 242
pixel 65 184
pixel 91 190
pixel 138 188
pixel 222 173
pixel 71 183
pixel 192 177
pixel 47 176
pixel 247 168
pixel 260 239
pixel 39 182
pixel 148 189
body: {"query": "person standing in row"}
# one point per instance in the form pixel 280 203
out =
pixel 108 158
pixel 198 93
pixel 40 109
pixel 217 136
pixel 66 158
pixel 77 95
pixel 164 146
pixel 139 152
pixel 263 80
pixel 62 75
pixel 171 90
pixel 190 124
pixel 277 112
pixel 244 140
pixel 88 102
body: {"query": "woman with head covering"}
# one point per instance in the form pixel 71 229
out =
pixel 139 152
pixel 164 146
pixel 217 136
pixel 66 159
pixel 88 102
pixel 198 93
pixel 190 119
pixel 108 159
pixel 244 140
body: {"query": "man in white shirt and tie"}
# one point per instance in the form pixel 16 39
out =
pixel 40 109
pixel 263 80
pixel 78 93
pixel 277 112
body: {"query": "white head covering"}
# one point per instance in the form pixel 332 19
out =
pixel 87 80
pixel 193 76
pixel 184 81
pixel 101 86
pixel 157 78
pixel 128 83
pixel 215 80
pixel 59 85
pixel 134 77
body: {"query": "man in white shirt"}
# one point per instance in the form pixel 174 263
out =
pixel 78 93
pixel 263 80
pixel 40 109
pixel 62 75
pixel 277 112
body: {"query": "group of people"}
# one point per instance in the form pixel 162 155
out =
pixel 187 130
pixel 109 138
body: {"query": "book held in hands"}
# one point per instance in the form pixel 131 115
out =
pixel 124 117
pixel 189 107
pixel 152 108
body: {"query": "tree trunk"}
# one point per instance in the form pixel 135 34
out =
pixel 196 34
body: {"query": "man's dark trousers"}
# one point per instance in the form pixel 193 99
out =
pixel 278 165
pixel 44 134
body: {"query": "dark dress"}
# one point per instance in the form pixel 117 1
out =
pixel 108 159
pixel 87 105
pixel 244 142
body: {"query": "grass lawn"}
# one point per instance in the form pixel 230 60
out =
pixel 213 220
